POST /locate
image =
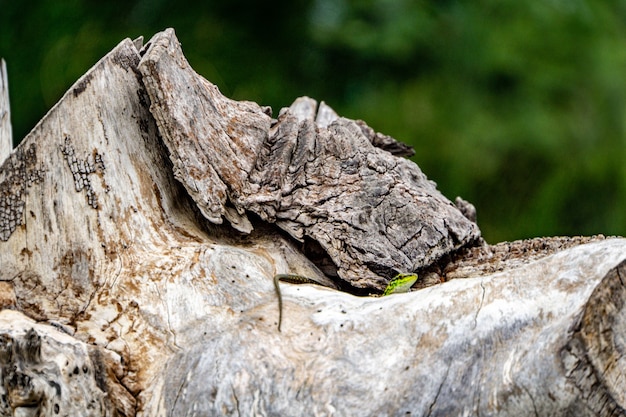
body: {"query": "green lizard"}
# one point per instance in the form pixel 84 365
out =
pixel 399 283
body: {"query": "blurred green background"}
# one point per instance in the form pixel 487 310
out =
pixel 519 107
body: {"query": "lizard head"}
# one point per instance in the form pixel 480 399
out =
pixel 400 283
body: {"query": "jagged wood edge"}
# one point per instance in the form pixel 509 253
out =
pixel 390 219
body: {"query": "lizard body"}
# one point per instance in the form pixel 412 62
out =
pixel 400 283
pixel 293 279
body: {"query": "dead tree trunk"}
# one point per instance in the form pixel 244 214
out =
pixel 143 301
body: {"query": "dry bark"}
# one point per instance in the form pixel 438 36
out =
pixel 314 174
pixel 111 243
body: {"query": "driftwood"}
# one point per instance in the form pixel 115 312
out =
pixel 113 250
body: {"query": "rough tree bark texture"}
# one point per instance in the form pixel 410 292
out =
pixel 314 175
pixel 142 301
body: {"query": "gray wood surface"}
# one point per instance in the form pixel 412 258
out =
pixel 6 135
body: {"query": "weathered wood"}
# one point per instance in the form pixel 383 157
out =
pixel 44 372
pixel 593 358
pixel 315 175
pixel 6 135
pixel 375 214
pixel 506 344
pixel 98 238
pixel 213 141
pixel 76 198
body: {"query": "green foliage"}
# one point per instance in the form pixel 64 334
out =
pixel 519 107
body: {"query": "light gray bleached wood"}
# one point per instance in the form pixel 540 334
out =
pixel 317 176
pixel 81 198
pixel 99 239
pixel 6 135
pixel 545 339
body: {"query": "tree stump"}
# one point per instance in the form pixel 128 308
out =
pixel 124 291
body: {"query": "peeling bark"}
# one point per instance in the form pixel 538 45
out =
pixel 312 173
pixel 375 214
